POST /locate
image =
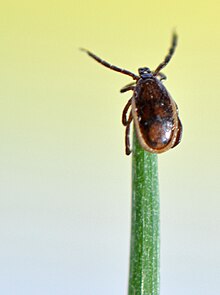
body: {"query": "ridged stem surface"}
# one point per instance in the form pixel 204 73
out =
pixel 144 274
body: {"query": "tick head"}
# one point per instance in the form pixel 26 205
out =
pixel 145 73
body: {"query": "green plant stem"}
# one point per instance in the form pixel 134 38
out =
pixel 144 276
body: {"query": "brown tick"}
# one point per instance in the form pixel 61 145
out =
pixel 153 110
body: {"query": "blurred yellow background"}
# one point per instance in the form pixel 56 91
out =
pixel 65 181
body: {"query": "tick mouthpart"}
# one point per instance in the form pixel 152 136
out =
pixel 145 73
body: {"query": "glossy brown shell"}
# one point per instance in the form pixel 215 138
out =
pixel 155 116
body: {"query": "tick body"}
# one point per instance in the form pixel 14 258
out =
pixel 154 112
pixel 155 116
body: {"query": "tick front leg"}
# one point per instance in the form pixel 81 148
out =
pixel 108 65
pixel 127 135
pixel 128 87
pixel 169 55
pixel 124 113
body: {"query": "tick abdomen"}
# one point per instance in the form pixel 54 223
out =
pixel 158 133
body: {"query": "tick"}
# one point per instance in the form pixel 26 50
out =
pixel 154 112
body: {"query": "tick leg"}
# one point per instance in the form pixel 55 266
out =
pixel 162 76
pixel 169 55
pixel 125 122
pixel 179 134
pixel 128 87
pixel 127 135
pixel 108 65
